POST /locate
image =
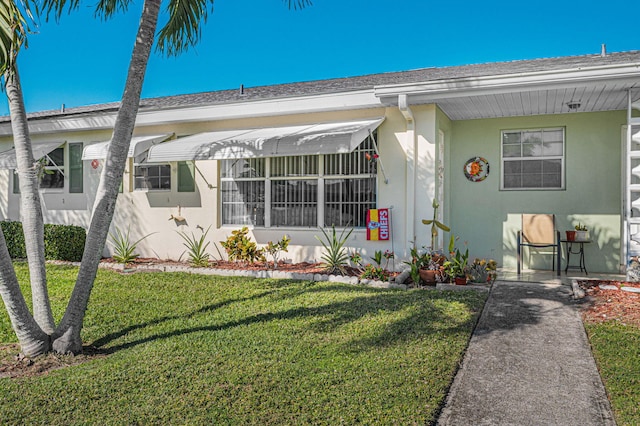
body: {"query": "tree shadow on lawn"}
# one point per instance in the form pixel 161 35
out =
pixel 428 312
pixel 123 332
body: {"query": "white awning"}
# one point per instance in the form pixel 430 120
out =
pixel 326 138
pixel 39 149
pixel 139 144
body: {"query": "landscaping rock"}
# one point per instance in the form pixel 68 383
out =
pixel 403 276
pixel 607 287
pixel 630 289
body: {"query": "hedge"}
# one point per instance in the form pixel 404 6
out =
pixel 61 242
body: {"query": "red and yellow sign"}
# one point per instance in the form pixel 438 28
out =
pixel 378 224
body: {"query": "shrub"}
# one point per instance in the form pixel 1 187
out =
pixel 274 249
pixel 240 248
pixel 64 242
pixel 15 239
pixel 61 242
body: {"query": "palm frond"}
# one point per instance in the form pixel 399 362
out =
pixel 183 29
pixel 14 27
pixel 56 8
pixel 298 4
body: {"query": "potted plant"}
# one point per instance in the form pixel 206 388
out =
pixel 426 266
pixel 482 271
pixel 582 233
pixel 456 266
pixel 432 272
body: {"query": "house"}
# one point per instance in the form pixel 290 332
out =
pixel 547 135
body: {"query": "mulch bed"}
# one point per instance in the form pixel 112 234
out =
pixel 605 305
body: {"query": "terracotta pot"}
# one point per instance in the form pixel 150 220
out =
pixel 571 235
pixel 460 280
pixel 428 276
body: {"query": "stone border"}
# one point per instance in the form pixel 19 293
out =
pixel 397 284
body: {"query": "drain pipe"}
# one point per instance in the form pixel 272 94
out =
pixel 412 163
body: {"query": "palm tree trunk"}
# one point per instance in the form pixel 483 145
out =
pixel 33 340
pixel 66 338
pixel 32 222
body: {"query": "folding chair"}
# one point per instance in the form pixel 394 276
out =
pixel 538 231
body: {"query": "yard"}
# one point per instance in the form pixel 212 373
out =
pixel 175 348
pixel 612 321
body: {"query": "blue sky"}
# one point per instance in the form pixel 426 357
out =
pixel 82 60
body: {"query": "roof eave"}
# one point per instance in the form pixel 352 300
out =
pixel 348 100
pixel 629 74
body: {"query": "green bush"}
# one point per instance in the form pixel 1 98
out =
pixel 240 248
pixel 61 242
pixel 14 237
pixel 64 242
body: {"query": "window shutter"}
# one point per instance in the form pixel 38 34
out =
pixel 186 179
pixel 75 168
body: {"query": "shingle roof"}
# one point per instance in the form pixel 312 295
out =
pixel 364 82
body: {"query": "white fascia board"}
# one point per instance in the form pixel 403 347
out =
pixel 522 82
pixel 361 99
pixel 299 105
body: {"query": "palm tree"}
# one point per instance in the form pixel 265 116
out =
pixel 181 31
pixel 32 331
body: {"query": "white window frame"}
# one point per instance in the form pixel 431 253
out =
pixel 137 166
pixel 318 175
pixel 505 159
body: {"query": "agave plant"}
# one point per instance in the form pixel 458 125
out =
pixel 196 248
pixel 335 256
pixel 124 250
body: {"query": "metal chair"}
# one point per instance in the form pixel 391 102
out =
pixel 538 231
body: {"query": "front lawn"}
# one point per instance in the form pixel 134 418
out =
pixel 211 350
pixel 616 348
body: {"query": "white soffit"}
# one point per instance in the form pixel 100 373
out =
pixel 139 144
pixel 324 138
pixel 8 157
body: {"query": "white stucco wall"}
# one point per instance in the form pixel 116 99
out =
pixel 488 218
pixel 149 212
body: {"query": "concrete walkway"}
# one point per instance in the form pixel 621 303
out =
pixel 528 363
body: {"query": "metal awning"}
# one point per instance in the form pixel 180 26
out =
pixel 139 144
pixel 39 149
pixel 325 138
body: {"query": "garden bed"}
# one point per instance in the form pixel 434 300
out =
pixel 611 301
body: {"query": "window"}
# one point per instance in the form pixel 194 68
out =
pixel 533 159
pixel 152 177
pixel 243 191
pixel 298 190
pixel 53 170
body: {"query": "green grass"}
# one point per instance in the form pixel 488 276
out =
pixel 190 349
pixel 616 348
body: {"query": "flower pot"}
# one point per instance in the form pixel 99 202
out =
pixel 460 280
pixel 571 235
pixel 582 236
pixel 428 276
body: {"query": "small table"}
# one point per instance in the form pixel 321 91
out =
pixel 569 250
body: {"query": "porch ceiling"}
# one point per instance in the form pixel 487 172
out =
pixel 601 97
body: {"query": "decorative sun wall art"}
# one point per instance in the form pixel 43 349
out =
pixel 476 169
